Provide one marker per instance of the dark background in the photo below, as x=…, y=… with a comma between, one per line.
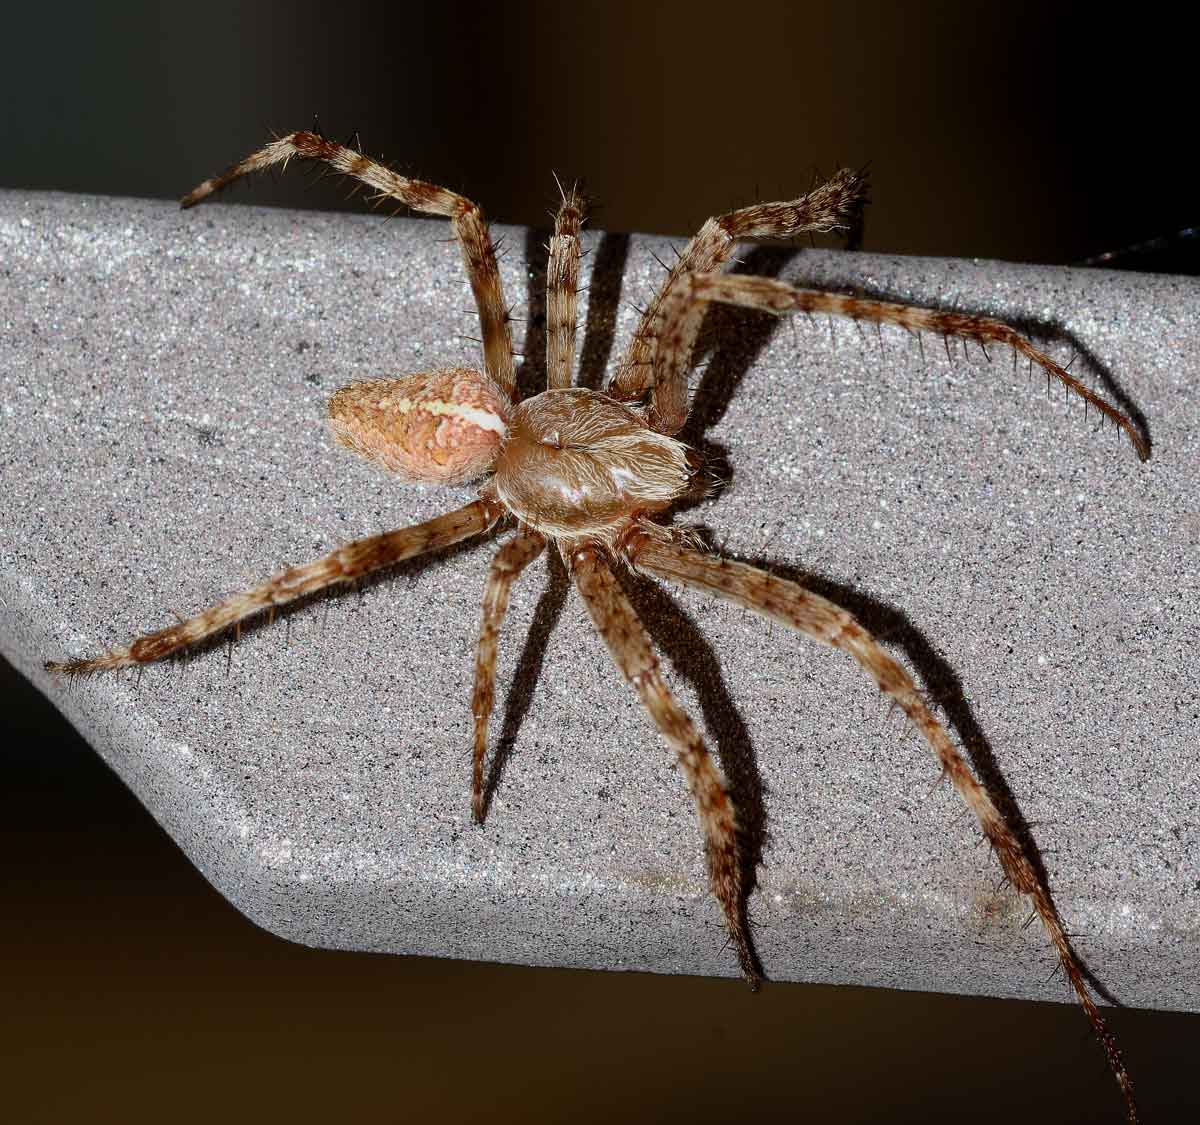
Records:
x=1045, y=133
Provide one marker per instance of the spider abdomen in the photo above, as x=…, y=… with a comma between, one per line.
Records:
x=441, y=427
x=579, y=464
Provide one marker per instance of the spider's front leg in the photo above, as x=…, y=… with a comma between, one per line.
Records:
x=819, y=619
x=835, y=205
x=683, y=309
x=344, y=565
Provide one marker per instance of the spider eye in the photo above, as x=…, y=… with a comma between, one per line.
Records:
x=441, y=427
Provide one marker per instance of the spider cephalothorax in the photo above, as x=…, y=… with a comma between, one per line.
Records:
x=578, y=465
x=589, y=471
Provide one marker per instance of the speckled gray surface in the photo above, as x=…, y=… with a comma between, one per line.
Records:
x=163, y=384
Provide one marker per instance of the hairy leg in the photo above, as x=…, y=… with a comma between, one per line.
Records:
x=835, y=205
x=479, y=256
x=506, y=568
x=562, y=283
x=819, y=619
x=618, y=623
x=343, y=565
x=682, y=311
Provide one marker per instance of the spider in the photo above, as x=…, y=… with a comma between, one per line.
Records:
x=593, y=473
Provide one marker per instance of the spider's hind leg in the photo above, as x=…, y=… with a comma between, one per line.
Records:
x=479, y=255
x=562, y=290
x=506, y=568
x=344, y=565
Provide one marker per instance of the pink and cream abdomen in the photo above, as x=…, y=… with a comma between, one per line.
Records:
x=440, y=427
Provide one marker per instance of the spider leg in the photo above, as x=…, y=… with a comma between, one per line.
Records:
x=617, y=622
x=562, y=283
x=835, y=205
x=819, y=619
x=479, y=256
x=506, y=568
x=683, y=310
x=343, y=565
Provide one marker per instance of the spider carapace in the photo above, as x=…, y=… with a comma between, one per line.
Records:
x=589, y=471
